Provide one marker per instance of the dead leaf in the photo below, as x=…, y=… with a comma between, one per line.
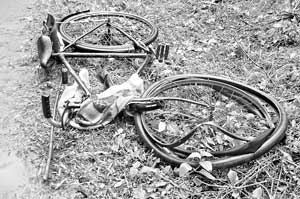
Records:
x=197, y=181
x=146, y=169
x=232, y=176
x=133, y=172
x=195, y=155
x=293, y=55
x=207, y=165
x=293, y=123
x=161, y=184
x=210, y=141
x=235, y=194
x=204, y=153
x=279, y=24
x=184, y=169
x=282, y=188
x=212, y=41
x=207, y=174
x=136, y=164
x=257, y=193
x=161, y=126
x=211, y=20
x=119, y=131
x=166, y=72
x=286, y=156
x=101, y=186
x=219, y=139
x=167, y=169
x=118, y=184
x=172, y=127
x=154, y=123
x=249, y=116
x=139, y=193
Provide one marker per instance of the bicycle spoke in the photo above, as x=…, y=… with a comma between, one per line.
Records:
x=83, y=35
x=106, y=38
x=236, y=120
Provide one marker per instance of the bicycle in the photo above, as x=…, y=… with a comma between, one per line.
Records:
x=212, y=110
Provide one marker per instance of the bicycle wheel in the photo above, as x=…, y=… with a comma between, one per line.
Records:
x=107, y=37
x=207, y=118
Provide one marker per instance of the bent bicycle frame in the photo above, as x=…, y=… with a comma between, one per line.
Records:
x=247, y=152
x=146, y=53
x=50, y=30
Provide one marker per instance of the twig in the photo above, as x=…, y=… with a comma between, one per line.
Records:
x=270, y=195
x=287, y=100
x=296, y=5
x=283, y=193
x=279, y=176
x=173, y=183
x=250, y=185
x=251, y=176
x=256, y=64
x=292, y=163
x=170, y=181
x=213, y=185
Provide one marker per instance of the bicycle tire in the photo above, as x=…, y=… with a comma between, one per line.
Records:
x=262, y=105
x=152, y=33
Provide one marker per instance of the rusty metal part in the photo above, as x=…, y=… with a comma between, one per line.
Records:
x=101, y=55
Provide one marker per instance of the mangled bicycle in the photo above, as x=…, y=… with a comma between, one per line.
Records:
x=187, y=118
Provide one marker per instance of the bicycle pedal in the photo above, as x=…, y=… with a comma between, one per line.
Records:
x=162, y=52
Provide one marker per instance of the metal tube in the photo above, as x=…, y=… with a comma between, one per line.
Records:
x=136, y=42
x=145, y=63
x=54, y=123
x=102, y=55
x=51, y=120
x=73, y=73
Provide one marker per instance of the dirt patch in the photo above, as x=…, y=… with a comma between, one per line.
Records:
x=15, y=78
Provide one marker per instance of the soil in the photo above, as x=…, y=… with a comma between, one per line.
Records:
x=15, y=79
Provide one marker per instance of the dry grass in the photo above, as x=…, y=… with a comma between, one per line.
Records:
x=248, y=41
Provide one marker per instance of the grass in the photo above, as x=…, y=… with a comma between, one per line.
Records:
x=248, y=41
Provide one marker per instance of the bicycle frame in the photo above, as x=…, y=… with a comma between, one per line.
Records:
x=244, y=95
x=51, y=28
x=45, y=101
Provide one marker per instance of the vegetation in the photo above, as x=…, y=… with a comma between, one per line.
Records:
x=254, y=42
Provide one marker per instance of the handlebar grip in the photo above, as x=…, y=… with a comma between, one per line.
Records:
x=46, y=106
x=64, y=76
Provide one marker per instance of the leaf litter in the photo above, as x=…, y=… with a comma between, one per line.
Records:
x=232, y=39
